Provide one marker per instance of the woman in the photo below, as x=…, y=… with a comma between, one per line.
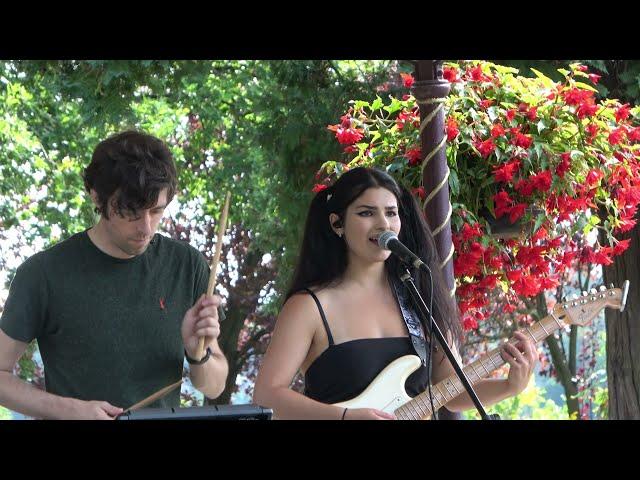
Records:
x=347, y=316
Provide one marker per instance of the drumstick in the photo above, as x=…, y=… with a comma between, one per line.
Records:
x=214, y=264
x=152, y=398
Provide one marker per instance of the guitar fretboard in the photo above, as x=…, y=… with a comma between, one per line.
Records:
x=420, y=406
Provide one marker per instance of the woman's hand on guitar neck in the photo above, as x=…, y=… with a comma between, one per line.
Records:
x=367, y=414
x=522, y=358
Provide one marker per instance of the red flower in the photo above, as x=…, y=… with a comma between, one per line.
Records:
x=318, y=187
x=486, y=103
x=527, y=286
x=469, y=323
x=634, y=134
x=517, y=211
x=414, y=155
x=468, y=232
x=514, y=275
x=350, y=149
x=348, y=136
x=345, y=121
x=522, y=140
x=594, y=78
x=564, y=166
x=511, y=114
x=451, y=129
x=555, y=243
x=525, y=187
x=497, y=130
x=509, y=308
x=540, y=234
x=486, y=148
x=502, y=203
x=594, y=176
x=542, y=181
x=592, y=130
x=407, y=79
x=587, y=109
x=602, y=256
x=548, y=283
x=505, y=172
x=617, y=135
x=407, y=116
x=466, y=263
x=576, y=96
x=532, y=114
x=582, y=68
x=450, y=74
x=476, y=74
x=419, y=191
x=621, y=246
x=622, y=113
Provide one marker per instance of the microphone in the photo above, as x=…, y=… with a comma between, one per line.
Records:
x=388, y=240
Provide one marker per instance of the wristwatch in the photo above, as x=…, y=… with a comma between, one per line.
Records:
x=191, y=361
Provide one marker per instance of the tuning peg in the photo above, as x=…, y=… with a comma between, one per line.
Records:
x=602, y=288
x=611, y=285
x=584, y=294
x=593, y=291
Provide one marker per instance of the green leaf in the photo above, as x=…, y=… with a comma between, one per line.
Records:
x=394, y=106
x=454, y=183
x=539, y=219
x=546, y=81
x=396, y=166
x=584, y=86
x=360, y=104
x=377, y=104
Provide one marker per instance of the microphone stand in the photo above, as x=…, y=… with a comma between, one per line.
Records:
x=426, y=314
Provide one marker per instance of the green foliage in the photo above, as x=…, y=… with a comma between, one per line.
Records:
x=5, y=414
x=250, y=127
x=530, y=404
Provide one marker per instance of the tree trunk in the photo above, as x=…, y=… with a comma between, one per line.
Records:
x=560, y=362
x=623, y=336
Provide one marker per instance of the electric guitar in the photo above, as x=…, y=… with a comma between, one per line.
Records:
x=386, y=392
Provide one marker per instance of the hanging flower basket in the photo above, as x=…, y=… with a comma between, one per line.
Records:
x=553, y=164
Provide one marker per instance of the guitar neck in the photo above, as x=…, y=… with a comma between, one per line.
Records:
x=420, y=406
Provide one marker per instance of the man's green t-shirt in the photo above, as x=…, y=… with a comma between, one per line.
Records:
x=107, y=328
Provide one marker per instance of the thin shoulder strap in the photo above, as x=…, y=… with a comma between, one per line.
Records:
x=324, y=319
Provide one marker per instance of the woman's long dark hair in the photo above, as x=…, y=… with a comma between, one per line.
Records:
x=323, y=256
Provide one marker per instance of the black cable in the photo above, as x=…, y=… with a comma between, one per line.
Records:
x=434, y=414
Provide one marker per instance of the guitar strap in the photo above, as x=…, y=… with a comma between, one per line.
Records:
x=411, y=319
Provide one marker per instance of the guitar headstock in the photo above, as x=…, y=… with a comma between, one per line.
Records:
x=581, y=310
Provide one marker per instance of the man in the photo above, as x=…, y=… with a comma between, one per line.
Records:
x=115, y=308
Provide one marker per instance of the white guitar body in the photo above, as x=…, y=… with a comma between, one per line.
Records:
x=386, y=392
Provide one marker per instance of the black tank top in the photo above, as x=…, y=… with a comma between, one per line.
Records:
x=345, y=370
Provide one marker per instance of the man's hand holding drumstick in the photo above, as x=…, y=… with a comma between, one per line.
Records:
x=201, y=328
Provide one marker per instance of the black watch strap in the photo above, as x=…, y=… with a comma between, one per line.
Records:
x=191, y=361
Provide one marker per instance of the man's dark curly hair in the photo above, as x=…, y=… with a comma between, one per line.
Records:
x=132, y=167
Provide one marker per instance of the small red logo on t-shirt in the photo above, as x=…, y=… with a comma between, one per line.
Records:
x=162, y=303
